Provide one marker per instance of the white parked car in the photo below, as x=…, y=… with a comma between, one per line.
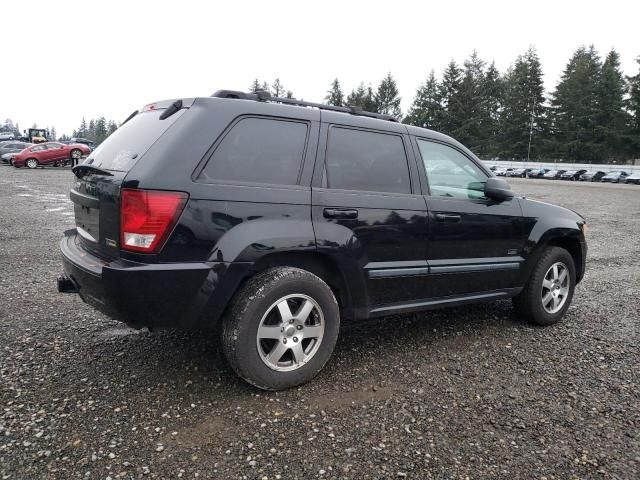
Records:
x=7, y=136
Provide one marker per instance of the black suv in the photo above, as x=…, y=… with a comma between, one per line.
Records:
x=277, y=219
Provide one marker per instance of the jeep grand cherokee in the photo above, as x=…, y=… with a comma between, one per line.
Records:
x=277, y=219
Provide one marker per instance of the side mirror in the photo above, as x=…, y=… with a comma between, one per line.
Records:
x=497, y=189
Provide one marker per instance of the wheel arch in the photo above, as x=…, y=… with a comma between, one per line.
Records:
x=320, y=265
x=569, y=239
x=572, y=245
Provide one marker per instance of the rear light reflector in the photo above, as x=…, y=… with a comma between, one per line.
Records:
x=147, y=217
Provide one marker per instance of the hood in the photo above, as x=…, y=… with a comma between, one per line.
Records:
x=536, y=208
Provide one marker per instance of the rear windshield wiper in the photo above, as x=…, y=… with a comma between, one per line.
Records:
x=84, y=169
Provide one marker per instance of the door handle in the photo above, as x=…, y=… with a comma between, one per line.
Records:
x=442, y=217
x=340, y=213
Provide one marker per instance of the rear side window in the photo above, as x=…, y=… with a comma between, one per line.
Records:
x=259, y=150
x=128, y=143
x=364, y=160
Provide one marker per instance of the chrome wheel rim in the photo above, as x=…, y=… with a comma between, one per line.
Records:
x=290, y=332
x=76, y=154
x=555, y=287
x=31, y=163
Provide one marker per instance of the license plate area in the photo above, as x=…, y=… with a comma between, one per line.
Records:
x=87, y=222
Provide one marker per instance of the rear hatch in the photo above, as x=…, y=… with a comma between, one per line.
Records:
x=96, y=190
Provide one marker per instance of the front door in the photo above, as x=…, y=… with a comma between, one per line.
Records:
x=369, y=215
x=475, y=244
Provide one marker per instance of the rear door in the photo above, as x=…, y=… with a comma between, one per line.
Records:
x=368, y=213
x=475, y=244
x=96, y=191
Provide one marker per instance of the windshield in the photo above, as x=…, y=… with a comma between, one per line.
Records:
x=128, y=143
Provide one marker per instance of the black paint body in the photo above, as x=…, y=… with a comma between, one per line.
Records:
x=397, y=255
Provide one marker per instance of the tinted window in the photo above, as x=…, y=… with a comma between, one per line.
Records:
x=259, y=150
x=124, y=147
x=450, y=173
x=37, y=149
x=363, y=160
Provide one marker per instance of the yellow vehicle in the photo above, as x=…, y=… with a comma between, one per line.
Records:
x=36, y=135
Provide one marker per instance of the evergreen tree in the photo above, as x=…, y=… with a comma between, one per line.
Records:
x=335, y=96
x=522, y=121
x=468, y=104
x=633, y=105
x=111, y=127
x=450, y=113
x=100, y=130
x=82, y=131
x=277, y=88
x=362, y=97
x=491, y=96
x=91, y=131
x=255, y=86
x=289, y=94
x=386, y=99
x=612, y=118
x=575, y=108
x=425, y=109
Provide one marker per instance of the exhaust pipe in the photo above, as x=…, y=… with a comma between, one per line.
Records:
x=66, y=284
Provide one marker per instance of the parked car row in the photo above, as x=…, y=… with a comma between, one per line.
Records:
x=21, y=154
x=618, y=176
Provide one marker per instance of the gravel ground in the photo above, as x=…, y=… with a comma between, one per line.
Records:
x=461, y=393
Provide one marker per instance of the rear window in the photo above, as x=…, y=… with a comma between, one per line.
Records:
x=259, y=150
x=128, y=143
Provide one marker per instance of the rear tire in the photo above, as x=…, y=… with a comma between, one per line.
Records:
x=32, y=163
x=280, y=328
x=548, y=292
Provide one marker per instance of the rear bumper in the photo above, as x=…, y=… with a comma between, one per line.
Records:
x=172, y=295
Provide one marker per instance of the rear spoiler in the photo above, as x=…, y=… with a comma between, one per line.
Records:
x=170, y=107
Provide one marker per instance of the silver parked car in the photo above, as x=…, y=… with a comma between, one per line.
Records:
x=10, y=148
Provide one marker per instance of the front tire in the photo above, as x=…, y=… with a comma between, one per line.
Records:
x=281, y=328
x=32, y=163
x=549, y=291
x=76, y=155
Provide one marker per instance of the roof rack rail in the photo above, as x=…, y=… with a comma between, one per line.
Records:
x=264, y=96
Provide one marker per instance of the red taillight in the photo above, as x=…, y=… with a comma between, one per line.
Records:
x=147, y=218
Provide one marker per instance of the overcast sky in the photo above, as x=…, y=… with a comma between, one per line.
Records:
x=75, y=59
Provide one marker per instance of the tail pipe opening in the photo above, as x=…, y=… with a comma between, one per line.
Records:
x=66, y=284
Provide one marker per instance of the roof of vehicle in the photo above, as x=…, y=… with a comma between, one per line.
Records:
x=335, y=114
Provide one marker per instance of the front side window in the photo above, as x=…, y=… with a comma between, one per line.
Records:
x=259, y=150
x=38, y=148
x=450, y=173
x=365, y=160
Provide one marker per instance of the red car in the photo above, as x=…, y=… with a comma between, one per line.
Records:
x=50, y=153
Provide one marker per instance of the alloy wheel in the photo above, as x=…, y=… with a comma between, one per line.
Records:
x=290, y=332
x=555, y=287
